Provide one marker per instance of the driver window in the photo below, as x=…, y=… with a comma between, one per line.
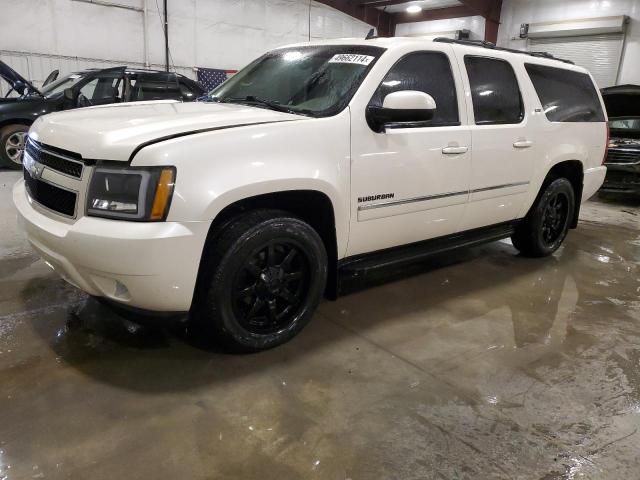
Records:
x=89, y=88
x=103, y=89
x=428, y=72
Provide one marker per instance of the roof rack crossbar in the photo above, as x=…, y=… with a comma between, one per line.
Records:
x=492, y=46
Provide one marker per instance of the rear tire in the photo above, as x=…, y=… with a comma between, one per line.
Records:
x=262, y=279
x=12, y=142
x=546, y=225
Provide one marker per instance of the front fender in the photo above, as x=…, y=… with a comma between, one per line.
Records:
x=218, y=168
x=23, y=112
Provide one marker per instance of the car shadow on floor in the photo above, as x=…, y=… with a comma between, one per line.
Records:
x=148, y=356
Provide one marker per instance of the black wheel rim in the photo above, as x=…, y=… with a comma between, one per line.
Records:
x=270, y=289
x=554, y=218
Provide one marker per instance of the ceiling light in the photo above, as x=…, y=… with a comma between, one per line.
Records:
x=414, y=9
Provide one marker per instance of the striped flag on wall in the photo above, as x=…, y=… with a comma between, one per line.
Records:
x=210, y=78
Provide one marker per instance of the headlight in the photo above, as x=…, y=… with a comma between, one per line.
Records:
x=137, y=194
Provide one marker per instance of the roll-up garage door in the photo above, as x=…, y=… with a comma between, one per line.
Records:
x=600, y=54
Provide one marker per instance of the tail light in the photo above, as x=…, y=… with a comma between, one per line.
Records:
x=606, y=148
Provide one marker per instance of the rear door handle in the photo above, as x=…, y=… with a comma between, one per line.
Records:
x=523, y=144
x=455, y=150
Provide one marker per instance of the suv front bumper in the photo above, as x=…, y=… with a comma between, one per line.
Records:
x=148, y=265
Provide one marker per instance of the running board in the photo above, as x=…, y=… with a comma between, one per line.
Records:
x=356, y=269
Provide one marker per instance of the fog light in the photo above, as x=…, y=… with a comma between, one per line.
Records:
x=122, y=292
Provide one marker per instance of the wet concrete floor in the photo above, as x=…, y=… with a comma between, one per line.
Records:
x=480, y=365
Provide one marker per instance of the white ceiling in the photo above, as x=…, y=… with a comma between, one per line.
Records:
x=425, y=4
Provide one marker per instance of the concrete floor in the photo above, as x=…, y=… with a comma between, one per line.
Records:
x=482, y=365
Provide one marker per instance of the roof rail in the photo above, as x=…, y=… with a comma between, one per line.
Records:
x=492, y=46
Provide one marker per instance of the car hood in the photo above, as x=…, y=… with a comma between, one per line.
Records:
x=12, y=77
x=622, y=101
x=116, y=132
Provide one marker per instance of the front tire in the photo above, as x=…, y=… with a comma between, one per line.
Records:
x=12, y=143
x=546, y=225
x=265, y=274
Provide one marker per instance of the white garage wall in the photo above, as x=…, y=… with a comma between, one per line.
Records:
x=230, y=33
x=39, y=35
x=516, y=12
x=474, y=24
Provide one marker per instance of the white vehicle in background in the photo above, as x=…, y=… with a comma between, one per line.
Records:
x=315, y=164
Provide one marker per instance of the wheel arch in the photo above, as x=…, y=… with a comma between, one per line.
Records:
x=572, y=170
x=16, y=121
x=313, y=206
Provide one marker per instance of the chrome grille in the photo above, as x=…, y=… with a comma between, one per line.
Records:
x=617, y=180
x=50, y=196
x=67, y=163
x=623, y=156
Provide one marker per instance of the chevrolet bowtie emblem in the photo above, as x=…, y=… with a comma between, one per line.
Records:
x=36, y=169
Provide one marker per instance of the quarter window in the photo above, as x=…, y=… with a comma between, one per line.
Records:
x=428, y=72
x=566, y=96
x=494, y=91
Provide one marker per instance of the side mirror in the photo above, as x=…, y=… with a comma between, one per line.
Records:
x=401, y=109
x=68, y=94
x=19, y=86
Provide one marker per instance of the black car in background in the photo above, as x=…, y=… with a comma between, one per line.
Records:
x=23, y=103
x=623, y=161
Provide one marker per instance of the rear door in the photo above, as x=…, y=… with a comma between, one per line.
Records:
x=505, y=146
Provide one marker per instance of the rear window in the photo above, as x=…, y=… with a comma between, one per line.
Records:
x=494, y=91
x=566, y=96
x=625, y=124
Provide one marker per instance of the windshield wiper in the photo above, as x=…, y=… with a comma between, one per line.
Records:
x=253, y=100
x=207, y=98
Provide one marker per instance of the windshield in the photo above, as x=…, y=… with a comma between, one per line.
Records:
x=59, y=86
x=625, y=123
x=316, y=81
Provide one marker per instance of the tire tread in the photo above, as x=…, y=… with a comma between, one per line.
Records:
x=525, y=238
x=207, y=311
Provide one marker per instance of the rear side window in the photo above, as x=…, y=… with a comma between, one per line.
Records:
x=154, y=86
x=566, y=96
x=428, y=72
x=494, y=91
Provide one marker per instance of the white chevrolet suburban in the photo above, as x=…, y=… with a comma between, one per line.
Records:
x=316, y=163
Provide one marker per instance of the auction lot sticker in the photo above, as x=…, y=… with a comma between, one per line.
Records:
x=351, y=58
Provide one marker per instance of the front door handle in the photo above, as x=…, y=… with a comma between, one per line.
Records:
x=455, y=150
x=523, y=144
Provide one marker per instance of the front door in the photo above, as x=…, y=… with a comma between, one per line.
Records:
x=410, y=182
x=102, y=88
